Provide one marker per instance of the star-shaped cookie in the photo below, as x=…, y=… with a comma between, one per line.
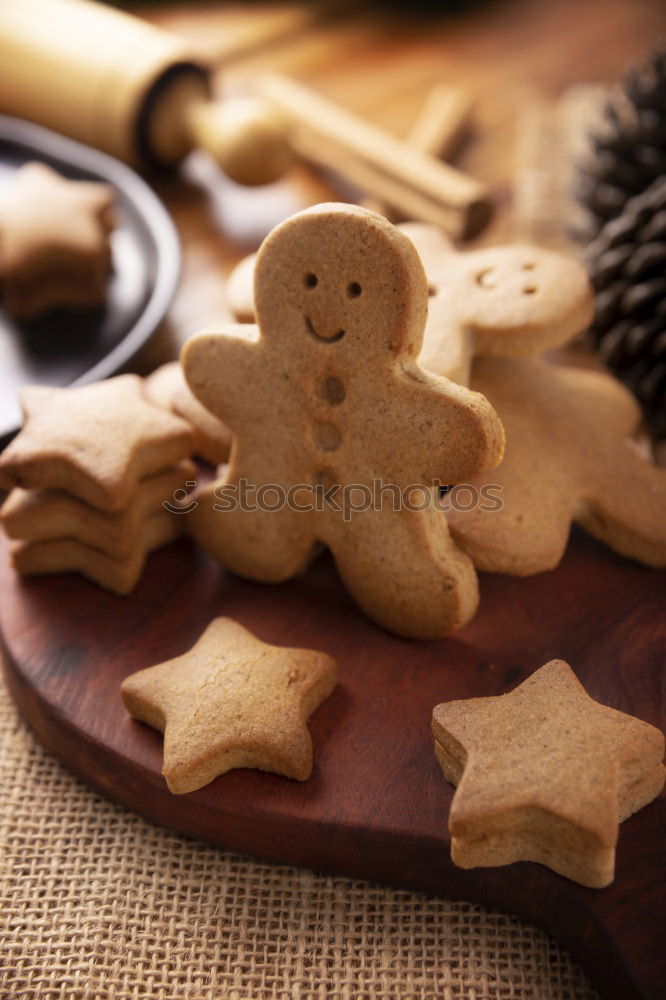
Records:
x=95, y=441
x=46, y=515
x=232, y=701
x=546, y=774
x=54, y=241
x=118, y=573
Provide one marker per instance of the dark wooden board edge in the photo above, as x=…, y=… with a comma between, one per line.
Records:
x=620, y=966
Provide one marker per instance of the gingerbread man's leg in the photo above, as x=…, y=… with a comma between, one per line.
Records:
x=404, y=570
x=253, y=532
x=628, y=508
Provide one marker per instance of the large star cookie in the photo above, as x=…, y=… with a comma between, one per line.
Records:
x=96, y=442
x=54, y=241
x=232, y=701
x=545, y=774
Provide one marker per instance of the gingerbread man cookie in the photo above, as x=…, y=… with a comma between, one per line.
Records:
x=512, y=301
x=569, y=457
x=545, y=774
x=326, y=400
x=54, y=242
x=509, y=301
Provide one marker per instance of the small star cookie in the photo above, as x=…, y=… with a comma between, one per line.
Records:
x=232, y=701
x=95, y=441
x=54, y=241
x=545, y=774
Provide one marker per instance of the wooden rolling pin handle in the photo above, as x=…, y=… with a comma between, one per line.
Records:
x=245, y=135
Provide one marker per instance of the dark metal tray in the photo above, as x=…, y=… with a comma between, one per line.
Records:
x=71, y=347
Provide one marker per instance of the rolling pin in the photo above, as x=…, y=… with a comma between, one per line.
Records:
x=129, y=88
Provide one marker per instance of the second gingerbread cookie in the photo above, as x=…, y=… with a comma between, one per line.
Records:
x=340, y=436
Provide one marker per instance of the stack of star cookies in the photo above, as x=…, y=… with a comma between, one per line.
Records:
x=546, y=774
x=88, y=478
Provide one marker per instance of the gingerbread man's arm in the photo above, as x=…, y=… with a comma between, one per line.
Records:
x=221, y=366
x=447, y=432
x=628, y=509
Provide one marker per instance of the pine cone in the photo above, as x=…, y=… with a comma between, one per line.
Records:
x=628, y=149
x=627, y=264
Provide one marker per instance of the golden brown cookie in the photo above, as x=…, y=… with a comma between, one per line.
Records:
x=119, y=574
x=166, y=387
x=95, y=442
x=512, y=301
x=545, y=774
x=232, y=701
x=54, y=241
x=328, y=405
x=569, y=457
x=240, y=290
x=162, y=383
x=40, y=515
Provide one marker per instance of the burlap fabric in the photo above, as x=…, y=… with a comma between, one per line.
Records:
x=97, y=904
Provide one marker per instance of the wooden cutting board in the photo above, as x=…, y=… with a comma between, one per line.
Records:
x=377, y=804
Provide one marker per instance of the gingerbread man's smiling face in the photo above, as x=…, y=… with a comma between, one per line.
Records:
x=521, y=299
x=337, y=278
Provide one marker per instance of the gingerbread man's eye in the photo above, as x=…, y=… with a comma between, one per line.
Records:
x=311, y=280
x=353, y=290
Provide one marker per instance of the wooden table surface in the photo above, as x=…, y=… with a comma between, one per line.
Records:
x=381, y=63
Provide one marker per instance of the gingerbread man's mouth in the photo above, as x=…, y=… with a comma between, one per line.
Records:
x=338, y=335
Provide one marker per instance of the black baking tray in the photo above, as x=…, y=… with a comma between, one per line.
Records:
x=69, y=346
